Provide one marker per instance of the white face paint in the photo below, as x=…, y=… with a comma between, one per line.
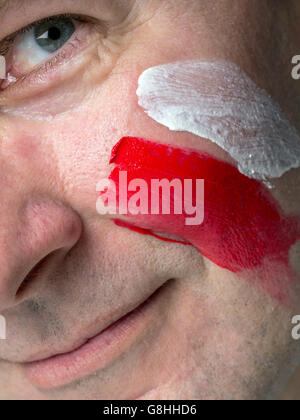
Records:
x=219, y=102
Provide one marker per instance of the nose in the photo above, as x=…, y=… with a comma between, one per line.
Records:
x=42, y=227
x=36, y=223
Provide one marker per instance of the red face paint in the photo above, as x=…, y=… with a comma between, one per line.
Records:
x=244, y=228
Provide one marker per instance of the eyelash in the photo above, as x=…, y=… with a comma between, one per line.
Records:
x=7, y=43
x=59, y=56
x=93, y=37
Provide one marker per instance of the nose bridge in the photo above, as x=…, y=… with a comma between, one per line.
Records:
x=12, y=196
x=20, y=158
x=33, y=223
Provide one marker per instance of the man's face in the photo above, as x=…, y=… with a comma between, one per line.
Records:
x=68, y=273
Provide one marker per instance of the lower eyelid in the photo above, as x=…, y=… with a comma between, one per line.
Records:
x=18, y=60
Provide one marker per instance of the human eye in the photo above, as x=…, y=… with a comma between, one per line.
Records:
x=42, y=45
x=58, y=55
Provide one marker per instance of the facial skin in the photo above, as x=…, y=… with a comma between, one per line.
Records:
x=211, y=334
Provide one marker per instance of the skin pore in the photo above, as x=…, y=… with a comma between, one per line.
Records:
x=58, y=125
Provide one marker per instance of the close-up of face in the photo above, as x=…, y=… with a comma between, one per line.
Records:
x=193, y=304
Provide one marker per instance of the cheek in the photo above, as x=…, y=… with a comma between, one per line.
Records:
x=82, y=144
x=244, y=229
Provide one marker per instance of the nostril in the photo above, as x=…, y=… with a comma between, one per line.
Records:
x=37, y=271
x=42, y=233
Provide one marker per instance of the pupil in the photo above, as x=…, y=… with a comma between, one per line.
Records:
x=54, y=33
x=51, y=36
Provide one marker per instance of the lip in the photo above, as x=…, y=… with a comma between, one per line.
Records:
x=97, y=352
